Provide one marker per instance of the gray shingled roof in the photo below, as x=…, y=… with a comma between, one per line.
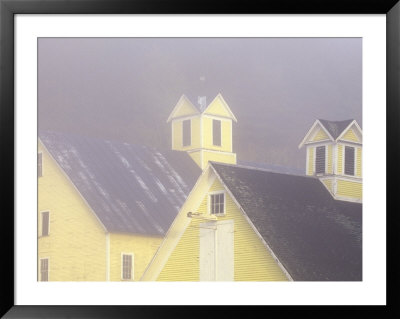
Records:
x=132, y=189
x=335, y=128
x=315, y=237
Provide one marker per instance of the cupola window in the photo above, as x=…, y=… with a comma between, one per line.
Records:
x=320, y=160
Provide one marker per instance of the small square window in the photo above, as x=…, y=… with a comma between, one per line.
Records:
x=127, y=265
x=217, y=204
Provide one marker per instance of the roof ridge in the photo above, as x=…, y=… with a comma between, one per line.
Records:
x=260, y=169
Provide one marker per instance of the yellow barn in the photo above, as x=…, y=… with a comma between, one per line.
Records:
x=104, y=207
x=241, y=223
x=334, y=155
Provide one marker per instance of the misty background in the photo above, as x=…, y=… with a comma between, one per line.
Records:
x=125, y=88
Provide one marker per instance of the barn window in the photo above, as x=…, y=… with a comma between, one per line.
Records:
x=217, y=132
x=127, y=266
x=349, y=160
x=44, y=269
x=217, y=202
x=186, y=133
x=320, y=160
x=45, y=223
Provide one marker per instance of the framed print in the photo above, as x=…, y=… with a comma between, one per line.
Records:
x=150, y=145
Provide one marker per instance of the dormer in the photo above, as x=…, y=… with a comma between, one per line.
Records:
x=203, y=131
x=334, y=154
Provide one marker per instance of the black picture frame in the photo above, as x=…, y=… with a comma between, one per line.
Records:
x=8, y=8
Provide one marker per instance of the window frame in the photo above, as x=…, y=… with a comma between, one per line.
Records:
x=132, y=266
x=220, y=132
x=41, y=164
x=48, y=223
x=40, y=268
x=210, y=194
x=354, y=160
x=315, y=160
x=190, y=133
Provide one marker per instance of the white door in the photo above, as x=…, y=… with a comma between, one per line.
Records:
x=217, y=251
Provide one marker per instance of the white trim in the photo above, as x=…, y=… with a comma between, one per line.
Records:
x=40, y=269
x=41, y=164
x=179, y=104
x=184, y=117
x=231, y=125
x=208, y=150
x=41, y=224
x=217, y=117
x=219, y=96
x=333, y=158
x=172, y=136
x=307, y=159
x=253, y=227
x=108, y=257
x=336, y=172
x=73, y=185
x=132, y=266
x=348, y=127
x=349, y=178
x=314, y=157
x=317, y=122
x=174, y=235
x=201, y=132
x=319, y=143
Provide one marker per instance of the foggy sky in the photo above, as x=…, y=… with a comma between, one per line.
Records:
x=125, y=88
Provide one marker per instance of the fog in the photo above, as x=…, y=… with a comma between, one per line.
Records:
x=125, y=88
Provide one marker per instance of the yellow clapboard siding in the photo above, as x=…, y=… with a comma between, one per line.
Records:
x=185, y=109
x=195, y=132
x=349, y=189
x=339, y=159
x=143, y=249
x=177, y=134
x=218, y=108
x=328, y=184
x=310, y=160
x=252, y=261
x=350, y=136
x=320, y=136
x=358, y=162
x=76, y=245
x=226, y=135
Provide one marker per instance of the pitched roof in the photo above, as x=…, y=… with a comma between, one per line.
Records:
x=335, y=128
x=315, y=237
x=131, y=188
